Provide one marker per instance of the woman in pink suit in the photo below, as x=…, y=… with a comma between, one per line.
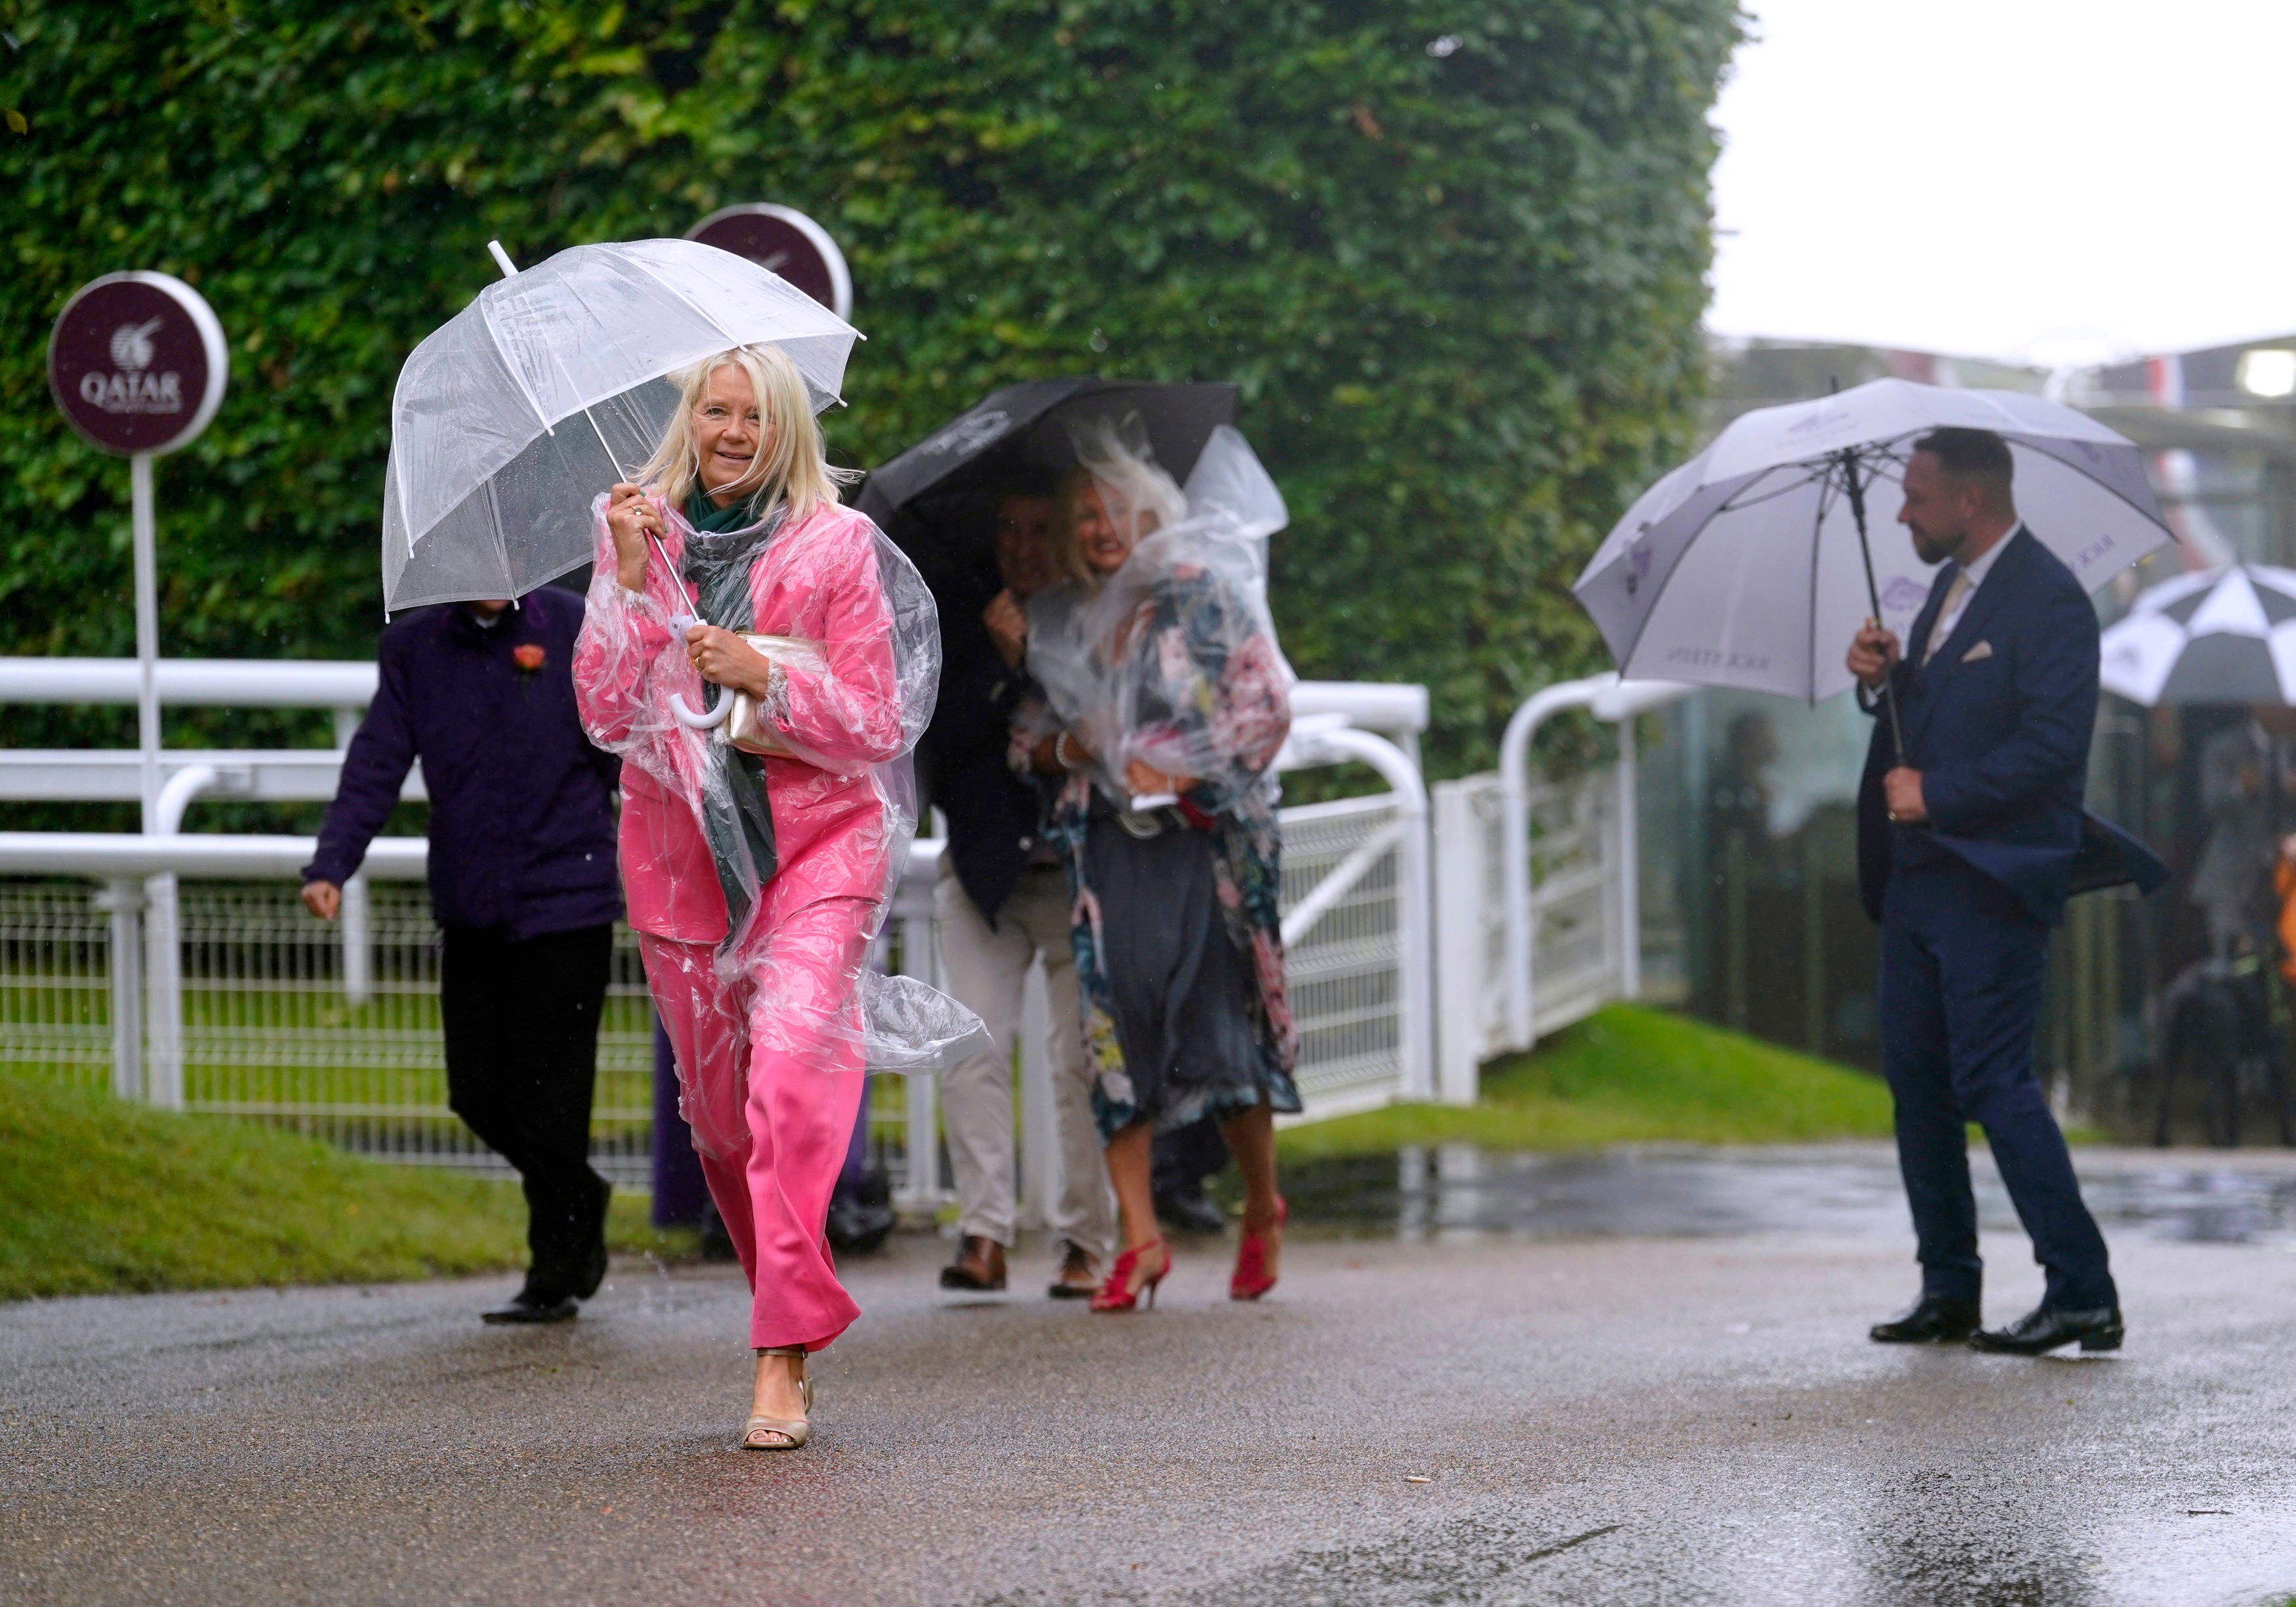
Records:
x=757, y=879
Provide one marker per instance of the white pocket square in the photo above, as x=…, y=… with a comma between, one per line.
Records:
x=1982, y=650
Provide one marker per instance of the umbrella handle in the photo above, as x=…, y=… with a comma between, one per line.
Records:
x=686, y=716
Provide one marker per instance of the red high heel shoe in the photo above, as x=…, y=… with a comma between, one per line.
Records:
x=1118, y=1294
x=1253, y=1279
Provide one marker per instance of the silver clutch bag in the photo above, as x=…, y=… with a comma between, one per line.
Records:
x=747, y=727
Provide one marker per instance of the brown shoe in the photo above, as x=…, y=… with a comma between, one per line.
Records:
x=1079, y=1274
x=979, y=1265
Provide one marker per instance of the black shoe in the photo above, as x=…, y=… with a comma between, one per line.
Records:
x=1934, y=1319
x=525, y=1307
x=1190, y=1211
x=594, y=1254
x=861, y=1216
x=717, y=1243
x=2048, y=1328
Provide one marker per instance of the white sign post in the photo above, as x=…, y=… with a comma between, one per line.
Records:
x=137, y=364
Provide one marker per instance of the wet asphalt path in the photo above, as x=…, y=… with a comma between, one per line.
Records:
x=1596, y=1420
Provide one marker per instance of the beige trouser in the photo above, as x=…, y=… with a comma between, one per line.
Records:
x=986, y=968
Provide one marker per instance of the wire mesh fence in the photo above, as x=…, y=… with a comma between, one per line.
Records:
x=1345, y=971
x=1574, y=878
x=274, y=1030
x=55, y=981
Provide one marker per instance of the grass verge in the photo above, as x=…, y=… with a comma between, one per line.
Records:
x=101, y=1197
x=1627, y=1075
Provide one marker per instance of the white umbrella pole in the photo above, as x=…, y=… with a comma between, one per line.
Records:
x=1848, y=461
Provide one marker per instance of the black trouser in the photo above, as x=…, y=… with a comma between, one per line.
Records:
x=521, y=1021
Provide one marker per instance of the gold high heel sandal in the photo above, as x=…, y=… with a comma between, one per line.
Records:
x=795, y=1431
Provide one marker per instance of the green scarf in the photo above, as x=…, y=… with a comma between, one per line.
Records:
x=710, y=519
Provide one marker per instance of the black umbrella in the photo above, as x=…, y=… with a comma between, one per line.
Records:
x=938, y=500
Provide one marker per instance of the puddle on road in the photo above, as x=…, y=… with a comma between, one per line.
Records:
x=1457, y=1189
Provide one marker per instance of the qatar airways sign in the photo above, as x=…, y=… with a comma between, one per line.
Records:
x=783, y=240
x=137, y=362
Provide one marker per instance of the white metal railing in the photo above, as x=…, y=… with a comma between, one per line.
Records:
x=165, y=782
x=1583, y=937
x=230, y=683
x=1395, y=710
x=256, y=1016
x=1611, y=699
x=229, y=998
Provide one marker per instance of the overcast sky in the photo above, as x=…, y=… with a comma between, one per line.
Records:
x=2046, y=180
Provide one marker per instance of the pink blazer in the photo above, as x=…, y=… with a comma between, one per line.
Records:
x=833, y=833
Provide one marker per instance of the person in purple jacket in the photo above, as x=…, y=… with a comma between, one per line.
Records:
x=524, y=885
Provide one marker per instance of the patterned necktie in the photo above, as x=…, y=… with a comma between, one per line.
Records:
x=1956, y=589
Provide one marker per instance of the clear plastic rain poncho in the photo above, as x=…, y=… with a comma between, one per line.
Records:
x=1172, y=661
x=805, y=844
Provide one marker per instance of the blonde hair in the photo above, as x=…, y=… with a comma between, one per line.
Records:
x=1134, y=488
x=790, y=465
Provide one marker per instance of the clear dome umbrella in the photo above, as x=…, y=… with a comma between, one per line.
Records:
x=512, y=416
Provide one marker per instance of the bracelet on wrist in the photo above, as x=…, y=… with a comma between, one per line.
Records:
x=1060, y=751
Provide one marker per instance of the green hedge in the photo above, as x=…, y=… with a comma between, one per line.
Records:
x=1453, y=255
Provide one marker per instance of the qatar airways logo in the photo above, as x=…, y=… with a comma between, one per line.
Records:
x=131, y=386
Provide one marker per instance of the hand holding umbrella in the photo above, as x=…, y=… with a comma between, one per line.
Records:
x=630, y=514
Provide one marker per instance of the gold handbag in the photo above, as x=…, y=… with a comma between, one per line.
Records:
x=747, y=727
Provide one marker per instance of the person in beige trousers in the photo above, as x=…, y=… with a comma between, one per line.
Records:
x=1002, y=903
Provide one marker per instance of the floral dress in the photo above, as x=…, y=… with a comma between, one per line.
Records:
x=1200, y=677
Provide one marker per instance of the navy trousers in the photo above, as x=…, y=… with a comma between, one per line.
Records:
x=1962, y=965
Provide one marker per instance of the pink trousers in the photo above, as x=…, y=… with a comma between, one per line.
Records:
x=772, y=1083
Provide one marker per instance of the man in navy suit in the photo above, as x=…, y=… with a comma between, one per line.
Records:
x=1966, y=846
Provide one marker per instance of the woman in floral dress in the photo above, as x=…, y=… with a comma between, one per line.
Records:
x=1165, y=706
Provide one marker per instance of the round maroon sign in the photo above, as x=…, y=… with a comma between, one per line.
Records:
x=137, y=363
x=784, y=241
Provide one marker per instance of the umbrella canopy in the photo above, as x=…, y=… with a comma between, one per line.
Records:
x=2219, y=636
x=1747, y=566
x=514, y=415
x=934, y=499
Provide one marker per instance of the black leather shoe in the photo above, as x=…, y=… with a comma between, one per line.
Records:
x=717, y=1243
x=861, y=1216
x=1190, y=1211
x=593, y=1253
x=527, y=1307
x=1934, y=1319
x=2047, y=1327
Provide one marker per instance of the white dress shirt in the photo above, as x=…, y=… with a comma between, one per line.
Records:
x=1976, y=571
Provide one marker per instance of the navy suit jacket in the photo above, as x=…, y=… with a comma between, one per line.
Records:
x=521, y=805
x=1998, y=723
